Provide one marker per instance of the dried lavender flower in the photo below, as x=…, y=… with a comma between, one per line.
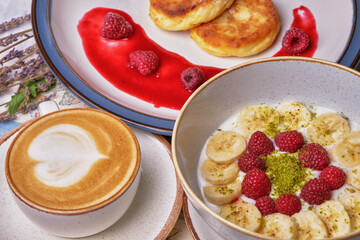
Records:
x=13, y=53
x=29, y=107
x=42, y=87
x=31, y=74
x=14, y=22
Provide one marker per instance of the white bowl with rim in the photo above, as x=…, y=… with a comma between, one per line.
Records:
x=268, y=80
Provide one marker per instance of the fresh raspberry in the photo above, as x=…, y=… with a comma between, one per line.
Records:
x=192, y=78
x=295, y=41
x=315, y=191
x=266, y=205
x=260, y=144
x=333, y=176
x=314, y=156
x=256, y=184
x=289, y=141
x=146, y=62
x=116, y=27
x=250, y=161
x=288, y=204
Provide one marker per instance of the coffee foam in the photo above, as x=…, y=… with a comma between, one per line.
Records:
x=73, y=159
x=66, y=154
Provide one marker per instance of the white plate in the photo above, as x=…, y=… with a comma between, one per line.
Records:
x=61, y=46
x=198, y=228
x=152, y=214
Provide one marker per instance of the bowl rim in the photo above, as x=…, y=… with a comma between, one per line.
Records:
x=190, y=193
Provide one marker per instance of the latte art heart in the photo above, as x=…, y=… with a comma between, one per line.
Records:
x=65, y=153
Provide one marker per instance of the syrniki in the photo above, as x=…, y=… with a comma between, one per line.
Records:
x=248, y=27
x=175, y=15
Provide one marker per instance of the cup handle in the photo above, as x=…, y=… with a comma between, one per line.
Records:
x=47, y=107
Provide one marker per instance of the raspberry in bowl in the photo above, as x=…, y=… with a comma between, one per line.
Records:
x=284, y=170
x=291, y=118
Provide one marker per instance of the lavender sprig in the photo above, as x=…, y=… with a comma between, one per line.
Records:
x=32, y=75
x=6, y=41
x=5, y=116
x=14, y=22
x=17, y=43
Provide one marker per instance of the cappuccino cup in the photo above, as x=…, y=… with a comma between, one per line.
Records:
x=74, y=172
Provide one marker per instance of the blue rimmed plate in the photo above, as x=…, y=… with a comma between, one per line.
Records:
x=55, y=27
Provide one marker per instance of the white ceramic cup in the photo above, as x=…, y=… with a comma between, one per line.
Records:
x=77, y=222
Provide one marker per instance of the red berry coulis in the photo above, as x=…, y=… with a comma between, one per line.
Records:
x=111, y=59
x=305, y=20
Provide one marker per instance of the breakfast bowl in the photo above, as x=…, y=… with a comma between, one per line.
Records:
x=318, y=85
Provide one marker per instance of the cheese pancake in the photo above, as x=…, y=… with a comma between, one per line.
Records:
x=246, y=28
x=177, y=15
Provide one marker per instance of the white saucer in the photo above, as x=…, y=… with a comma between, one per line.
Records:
x=152, y=214
x=198, y=228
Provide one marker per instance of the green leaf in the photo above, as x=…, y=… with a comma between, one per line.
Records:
x=15, y=102
x=18, y=98
x=32, y=88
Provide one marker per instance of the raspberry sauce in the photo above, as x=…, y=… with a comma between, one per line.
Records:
x=110, y=58
x=305, y=20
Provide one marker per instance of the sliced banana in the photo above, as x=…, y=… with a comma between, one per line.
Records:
x=353, y=177
x=258, y=118
x=309, y=226
x=335, y=217
x=225, y=147
x=222, y=194
x=351, y=202
x=243, y=214
x=217, y=174
x=279, y=226
x=327, y=128
x=294, y=115
x=346, y=151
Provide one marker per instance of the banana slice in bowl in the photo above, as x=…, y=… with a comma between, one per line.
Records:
x=222, y=194
x=217, y=174
x=225, y=147
x=257, y=118
x=346, y=151
x=353, y=177
x=335, y=217
x=294, y=115
x=351, y=202
x=279, y=226
x=309, y=225
x=243, y=214
x=327, y=128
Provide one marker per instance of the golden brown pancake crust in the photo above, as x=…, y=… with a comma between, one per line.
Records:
x=246, y=28
x=177, y=8
x=185, y=14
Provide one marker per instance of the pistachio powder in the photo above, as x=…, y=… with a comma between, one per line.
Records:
x=286, y=173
